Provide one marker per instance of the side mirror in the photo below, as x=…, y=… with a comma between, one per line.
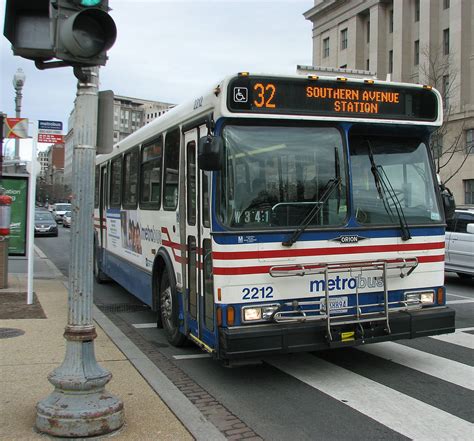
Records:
x=449, y=204
x=210, y=153
x=470, y=228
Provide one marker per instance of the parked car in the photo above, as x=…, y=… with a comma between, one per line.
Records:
x=460, y=242
x=67, y=219
x=59, y=209
x=45, y=224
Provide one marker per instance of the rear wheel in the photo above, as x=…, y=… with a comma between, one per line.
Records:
x=169, y=311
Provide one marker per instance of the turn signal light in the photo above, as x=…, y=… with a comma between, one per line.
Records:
x=219, y=316
x=230, y=316
x=440, y=296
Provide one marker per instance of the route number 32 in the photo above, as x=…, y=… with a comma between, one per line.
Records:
x=265, y=95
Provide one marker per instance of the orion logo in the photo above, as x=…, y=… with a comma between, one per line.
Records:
x=354, y=238
x=341, y=283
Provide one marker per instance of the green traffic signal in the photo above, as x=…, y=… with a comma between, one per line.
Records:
x=90, y=2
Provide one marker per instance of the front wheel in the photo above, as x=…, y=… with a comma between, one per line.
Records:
x=169, y=311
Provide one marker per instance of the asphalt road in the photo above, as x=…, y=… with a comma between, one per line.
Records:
x=417, y=389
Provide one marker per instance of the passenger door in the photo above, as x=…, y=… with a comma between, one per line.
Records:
x=200, y=293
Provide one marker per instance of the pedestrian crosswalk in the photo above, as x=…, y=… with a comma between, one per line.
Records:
x=400, y=412
x=413, y=392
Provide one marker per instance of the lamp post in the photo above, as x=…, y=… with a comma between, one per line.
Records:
x=18, y=83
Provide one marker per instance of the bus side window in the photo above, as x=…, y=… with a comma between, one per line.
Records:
x=115, y=182
x=130, y=179
x=170, y=194
x=150, y=175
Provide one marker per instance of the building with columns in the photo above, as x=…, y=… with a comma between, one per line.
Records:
x=422, y=41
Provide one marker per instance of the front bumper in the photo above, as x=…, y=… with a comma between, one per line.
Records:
x=280, y=338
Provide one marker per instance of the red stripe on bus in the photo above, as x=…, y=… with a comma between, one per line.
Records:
x=219, y=255
x=265, y=269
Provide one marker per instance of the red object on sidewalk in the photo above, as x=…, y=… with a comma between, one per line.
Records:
x=5, y=214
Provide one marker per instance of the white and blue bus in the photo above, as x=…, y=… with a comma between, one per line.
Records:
x=280, y=214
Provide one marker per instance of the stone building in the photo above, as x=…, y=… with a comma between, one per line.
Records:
x=422, y=41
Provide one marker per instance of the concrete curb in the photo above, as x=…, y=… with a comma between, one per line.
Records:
x=185, y=411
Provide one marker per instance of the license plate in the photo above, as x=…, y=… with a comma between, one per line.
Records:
x=336, y=304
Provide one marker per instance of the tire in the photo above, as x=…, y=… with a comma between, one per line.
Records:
x=99, y=275
x=169, y=311
x=464, y=276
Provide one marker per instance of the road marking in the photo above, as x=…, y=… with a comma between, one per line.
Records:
x=458, y=338
x=458, y=302
x=144, y=325
x=457, y=295
x=399, y=412
x=439, y=367
x=190, y=356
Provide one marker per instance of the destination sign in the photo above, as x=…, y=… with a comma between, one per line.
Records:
x=331, y=98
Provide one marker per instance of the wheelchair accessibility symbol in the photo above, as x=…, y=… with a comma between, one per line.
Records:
x=240, y=94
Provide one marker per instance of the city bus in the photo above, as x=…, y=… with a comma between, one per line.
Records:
x=277, y=214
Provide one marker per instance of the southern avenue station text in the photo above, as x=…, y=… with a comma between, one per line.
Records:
x=353, y=100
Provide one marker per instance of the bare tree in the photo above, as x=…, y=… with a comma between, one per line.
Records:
x=438, y=71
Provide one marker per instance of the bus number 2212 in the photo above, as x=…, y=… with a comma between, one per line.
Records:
x=255, y=293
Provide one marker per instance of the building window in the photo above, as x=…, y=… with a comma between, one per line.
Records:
x=437, y=145
x=326, y=47
x=446, y=41
x=446, y=4
x=390, y=21
x=368, y=31
x=417, y=10
x=470, y=141
x=390, y=61
x=344, y=39
x=417, y=52
x=469, y=191
x=445, y=90
x=367, y=64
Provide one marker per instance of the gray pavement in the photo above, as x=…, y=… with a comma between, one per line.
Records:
x=32, y=345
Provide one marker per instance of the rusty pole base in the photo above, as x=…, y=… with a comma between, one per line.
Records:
x=79, y=406
x=77, y=415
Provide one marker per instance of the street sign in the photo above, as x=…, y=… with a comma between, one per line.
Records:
x=50, y=132
x=16, y=128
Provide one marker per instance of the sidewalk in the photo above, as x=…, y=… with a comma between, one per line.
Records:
x=27, y=359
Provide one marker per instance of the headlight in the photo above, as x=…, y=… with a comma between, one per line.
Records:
x=258, y=313
x=423, y=297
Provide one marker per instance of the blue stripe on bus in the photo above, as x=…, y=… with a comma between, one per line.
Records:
x=132, y=278
x=254, y=237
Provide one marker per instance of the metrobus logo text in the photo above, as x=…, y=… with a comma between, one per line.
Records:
x=340, y=283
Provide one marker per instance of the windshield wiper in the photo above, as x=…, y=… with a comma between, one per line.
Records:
x=384, y=186
x=331, y=185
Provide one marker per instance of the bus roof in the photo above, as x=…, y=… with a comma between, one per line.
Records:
x=298, y=97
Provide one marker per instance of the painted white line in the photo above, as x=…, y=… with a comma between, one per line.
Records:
x=190, y=356
x=458, y=338
x=465, y=329
x=457, y=295
x=439, y=367
x=144, y=325
x=399, y=412
x=459, y=302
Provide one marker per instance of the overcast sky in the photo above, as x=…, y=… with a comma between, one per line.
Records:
x=170, y=50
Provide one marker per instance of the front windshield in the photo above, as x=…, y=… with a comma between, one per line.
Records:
x=274, y=176
x=43, y=217
x=405, y=164
x=63, y=207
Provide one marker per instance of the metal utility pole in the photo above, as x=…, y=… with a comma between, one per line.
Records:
x=80, y=406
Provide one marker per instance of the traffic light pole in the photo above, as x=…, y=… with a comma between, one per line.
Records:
x=80, y=406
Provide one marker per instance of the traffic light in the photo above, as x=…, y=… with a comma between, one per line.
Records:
x=29, y=29
x=77, y=32
x=84, y=31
